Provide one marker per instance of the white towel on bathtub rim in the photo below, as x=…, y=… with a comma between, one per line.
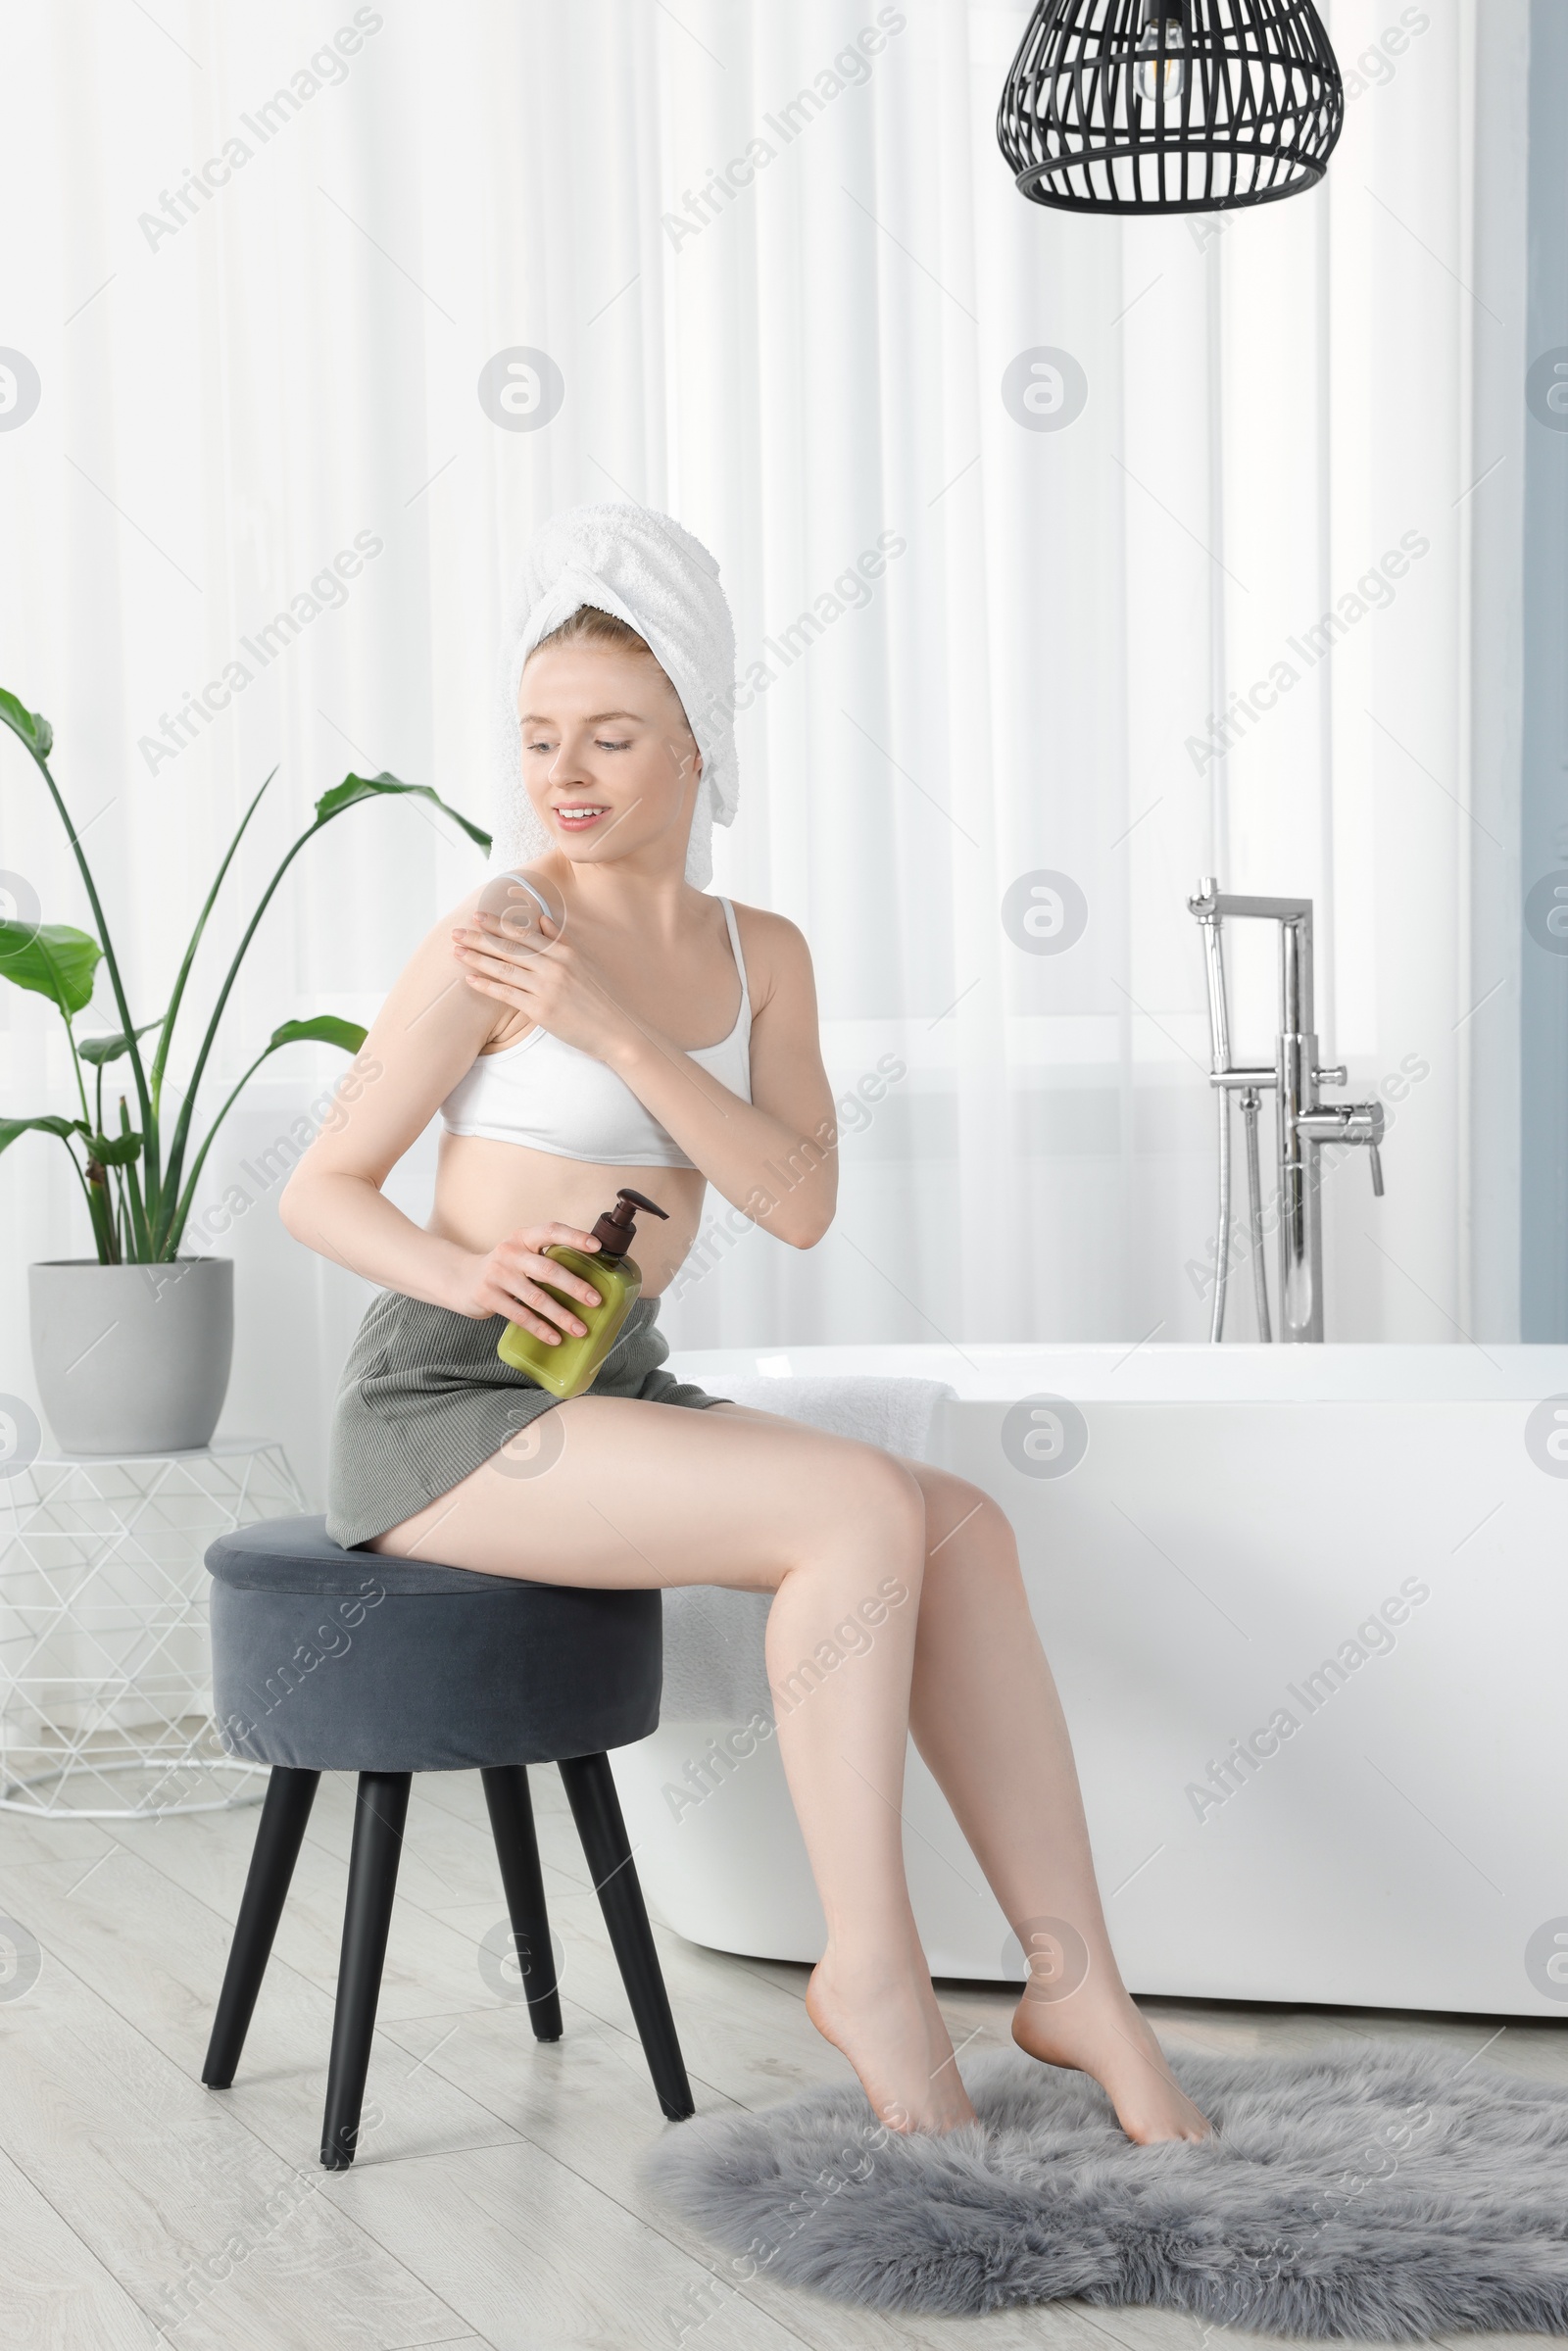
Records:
x=713, y=1663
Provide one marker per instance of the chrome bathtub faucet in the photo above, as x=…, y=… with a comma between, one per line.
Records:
x=1303, y=1122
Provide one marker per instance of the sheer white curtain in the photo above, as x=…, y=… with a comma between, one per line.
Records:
x=1012, y=508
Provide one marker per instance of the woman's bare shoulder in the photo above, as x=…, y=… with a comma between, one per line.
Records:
x=431, y=983
x=771, y=934
x=778, y=961
x=433, y=953
x=538, y=877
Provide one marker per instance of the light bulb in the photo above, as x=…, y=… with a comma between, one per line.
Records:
x=1150, y=77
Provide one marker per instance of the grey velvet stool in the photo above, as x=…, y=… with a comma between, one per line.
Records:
x=328, y=1661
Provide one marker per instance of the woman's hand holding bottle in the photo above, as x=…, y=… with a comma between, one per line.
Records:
x=508, y=1281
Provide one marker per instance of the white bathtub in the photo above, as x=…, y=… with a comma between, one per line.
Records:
x=1237, y=1514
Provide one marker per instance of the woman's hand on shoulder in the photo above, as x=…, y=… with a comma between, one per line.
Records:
x=543, y=974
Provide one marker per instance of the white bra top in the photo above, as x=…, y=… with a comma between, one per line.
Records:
x=555, y=1098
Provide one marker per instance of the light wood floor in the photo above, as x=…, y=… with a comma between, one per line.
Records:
x=495, y=2203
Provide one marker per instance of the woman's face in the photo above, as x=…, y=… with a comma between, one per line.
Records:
x=608, y=761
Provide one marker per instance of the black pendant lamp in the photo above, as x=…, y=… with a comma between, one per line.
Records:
x=1170, y=106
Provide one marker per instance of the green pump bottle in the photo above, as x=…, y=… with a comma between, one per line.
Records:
x=571, y=1365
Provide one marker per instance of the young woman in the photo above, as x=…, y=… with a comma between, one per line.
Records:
x=652, y=1034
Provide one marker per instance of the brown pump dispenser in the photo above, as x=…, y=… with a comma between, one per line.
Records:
x=615, y=1228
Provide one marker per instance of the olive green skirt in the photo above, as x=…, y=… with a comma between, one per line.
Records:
x=425, y=1399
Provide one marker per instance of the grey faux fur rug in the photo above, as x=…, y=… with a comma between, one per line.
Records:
x=1388, y=2192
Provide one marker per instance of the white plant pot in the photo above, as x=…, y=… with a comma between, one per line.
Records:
x=132, y=1358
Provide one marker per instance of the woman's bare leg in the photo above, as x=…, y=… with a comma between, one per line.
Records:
x=987, y=1719
x=643, y=1494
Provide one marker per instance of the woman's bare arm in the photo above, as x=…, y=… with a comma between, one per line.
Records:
x=774, y=1157
x=426, y=1036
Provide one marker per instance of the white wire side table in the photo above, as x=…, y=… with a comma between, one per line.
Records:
x=105, y=1673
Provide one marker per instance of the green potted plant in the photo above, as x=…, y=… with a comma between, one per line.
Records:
x=131, y=1347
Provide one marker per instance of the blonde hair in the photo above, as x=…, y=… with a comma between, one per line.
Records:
x=588, y=625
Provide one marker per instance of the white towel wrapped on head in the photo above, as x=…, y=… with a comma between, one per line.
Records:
x=714, y=1662
x=648, y=571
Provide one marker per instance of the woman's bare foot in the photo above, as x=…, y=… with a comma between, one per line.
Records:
x=1099, y=2032
x=889, y=2027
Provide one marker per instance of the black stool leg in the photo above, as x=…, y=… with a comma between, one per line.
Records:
x=506, y=1791
x=595, y=1809
x=278, y=1837
x=380, y=1809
